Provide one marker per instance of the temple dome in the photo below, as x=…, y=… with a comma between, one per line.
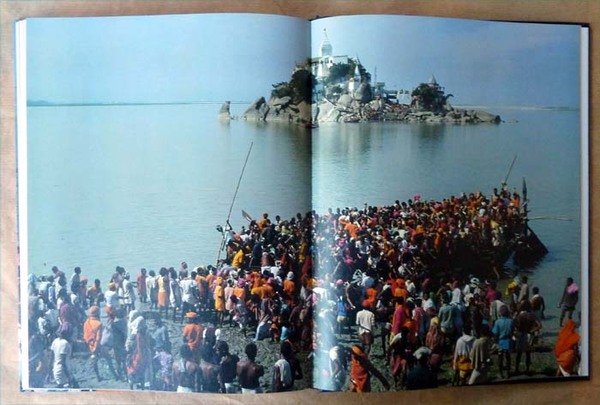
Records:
x=326, y=48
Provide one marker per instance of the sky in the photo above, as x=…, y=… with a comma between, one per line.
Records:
x=210, y=57
x=479, y=62
x=217, y=57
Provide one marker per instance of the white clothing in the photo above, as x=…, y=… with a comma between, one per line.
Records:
x=456, y=296
x=128, y=292
x=187, y=290
x=365, y=320
x=151, y=283
x=59, y=347
x=112, y=299
x=464, y=344
x=285, y=372
x=428, y=303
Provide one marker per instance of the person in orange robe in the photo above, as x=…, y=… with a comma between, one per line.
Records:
x=238, y=259
x=400, y=290
x=352, y=229
x=268, y=290
x=258, y=290
x=219, y=296
x=360, y=372
x=370, y=299
x=289, y=287
x=192, y=333
x=163, y=291
x=565, y=350
x=92, y=336
x=239, y=290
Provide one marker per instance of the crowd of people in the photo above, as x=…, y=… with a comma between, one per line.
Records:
x=396, y=273
x=260, y=294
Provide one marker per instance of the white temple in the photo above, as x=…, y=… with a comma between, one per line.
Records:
x=320, y=65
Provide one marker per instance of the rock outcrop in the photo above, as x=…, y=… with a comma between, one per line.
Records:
x=364, y=93
x=257, y=111
x=278, y=109
x=225, y=111
x=340, y=101
x=380, y=110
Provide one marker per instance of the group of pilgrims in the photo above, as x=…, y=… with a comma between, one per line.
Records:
x=319, y=289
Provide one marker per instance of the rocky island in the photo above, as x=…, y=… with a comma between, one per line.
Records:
x=338, y=88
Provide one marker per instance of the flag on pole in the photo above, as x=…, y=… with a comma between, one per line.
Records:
x=246, y=216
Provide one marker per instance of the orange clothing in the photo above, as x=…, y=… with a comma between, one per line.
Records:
x=392, y=256
x=437, y=242
x=238, y=259
x=360, y=377
x=370, y=299
x=565, y=349
x=258, y=291
x=219, y=298
x=352, y=229
x=202, y=287
x=268, y=291
x=209, y=279
x=567, y=360
x=163, y=291
x=240, y=292
x=192, y=333
x=256, y=279
x=401, y=292
x=289, y=287
x=411, y=325
x=92, y=333
x=262, y=223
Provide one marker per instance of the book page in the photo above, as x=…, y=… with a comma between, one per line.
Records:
x=157, y=206
x=449, y=174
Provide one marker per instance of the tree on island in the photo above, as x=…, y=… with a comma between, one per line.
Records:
x=429, y=97
x=299, y=88
x=339, y=72
x=342, y=72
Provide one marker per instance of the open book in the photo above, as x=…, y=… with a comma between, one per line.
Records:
x=258, y=203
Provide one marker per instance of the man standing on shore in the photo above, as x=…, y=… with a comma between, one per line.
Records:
x=568, y=301
x=61, y=351
x=527, y=326
x=92, y=335
x=192, y=334
x=141, y=286
x=152, y=289
x=227, y=367
x=503, y=330
x=365, y=320
x=249, y=372
x=189, y=292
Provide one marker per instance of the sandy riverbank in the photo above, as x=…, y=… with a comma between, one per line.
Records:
x=268, y=353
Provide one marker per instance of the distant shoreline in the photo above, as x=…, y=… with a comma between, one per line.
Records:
x=35, y=103
x=116, y=104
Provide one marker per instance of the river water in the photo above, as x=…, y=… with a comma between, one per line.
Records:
x=145, y=185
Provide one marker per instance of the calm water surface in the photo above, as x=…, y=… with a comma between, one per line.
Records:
x=144, y=186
